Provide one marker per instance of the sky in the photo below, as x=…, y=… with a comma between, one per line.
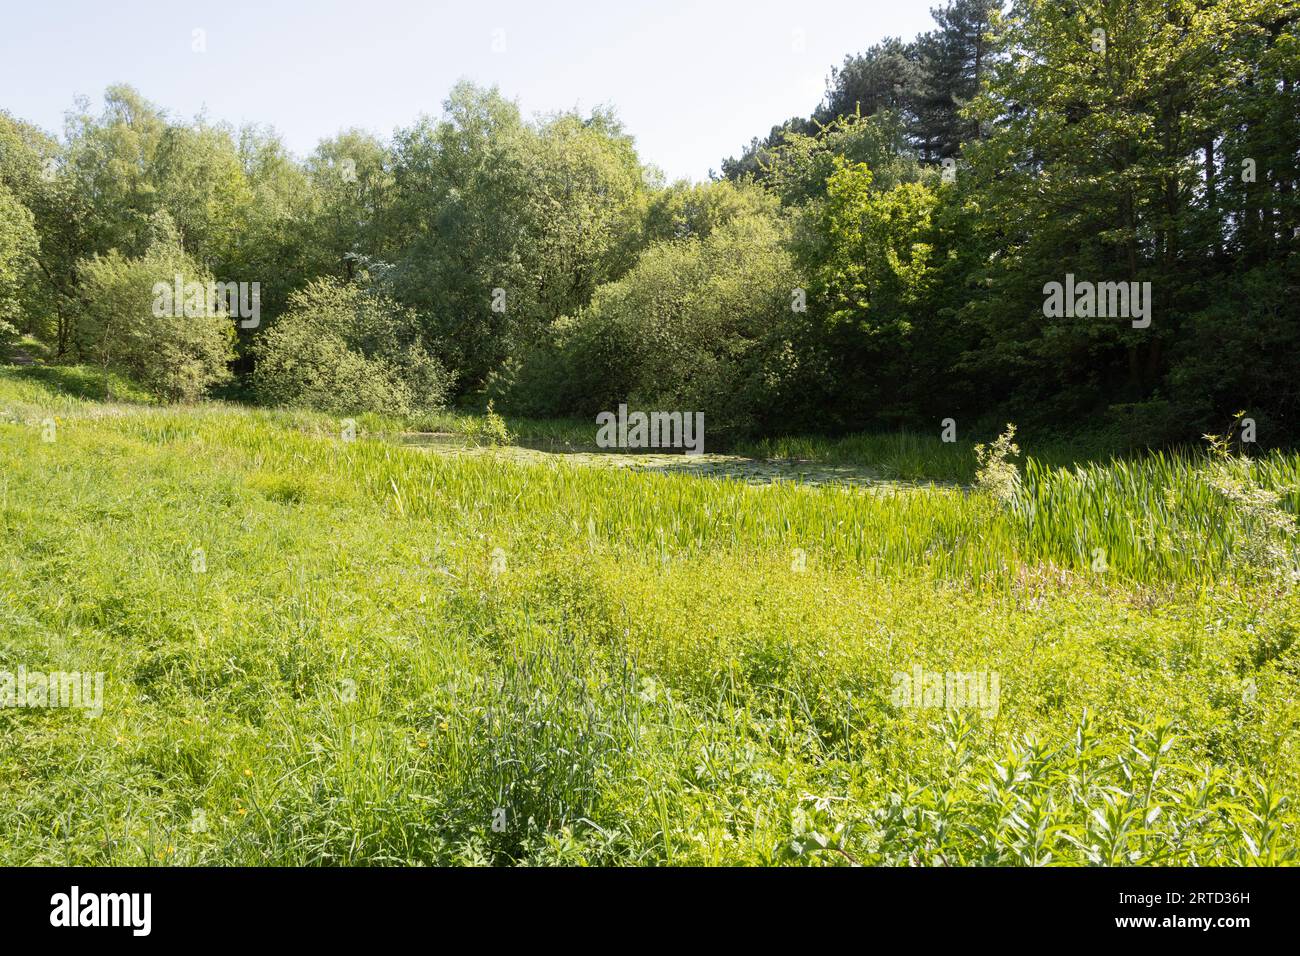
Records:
x=692, y=82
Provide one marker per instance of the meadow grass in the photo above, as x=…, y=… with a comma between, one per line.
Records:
x=328, y=652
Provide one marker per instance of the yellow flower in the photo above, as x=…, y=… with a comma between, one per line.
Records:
x=241, y=811
x=247, y=772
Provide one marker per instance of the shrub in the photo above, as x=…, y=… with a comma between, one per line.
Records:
x=1265, y=531
x=7, y=336
x=699, y=324
x=174, y=357
x=340, y=348
x=997, y=476
x=491, y=429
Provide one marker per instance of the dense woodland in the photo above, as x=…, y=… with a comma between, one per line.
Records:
x=878, y=263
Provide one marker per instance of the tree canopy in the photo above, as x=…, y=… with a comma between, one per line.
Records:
x=880, y=261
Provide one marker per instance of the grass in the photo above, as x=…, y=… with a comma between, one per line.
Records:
x=388, y=656
x=904, y=456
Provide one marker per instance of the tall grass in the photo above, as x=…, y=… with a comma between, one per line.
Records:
x=398, y=656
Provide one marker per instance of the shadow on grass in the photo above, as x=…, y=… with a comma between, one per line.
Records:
x=79, y=381
x=768, y=471
x=716, y=466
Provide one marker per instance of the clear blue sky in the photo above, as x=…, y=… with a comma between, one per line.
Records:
x=691, y=81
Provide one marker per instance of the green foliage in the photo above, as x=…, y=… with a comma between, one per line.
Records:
x=352, y=218
x=1093, y=164
x=18, y=248
x=875, y=262
x=465, y=655
x=700, y=324
x=522, y=247
x=1266, y=531
x=1083, y=800
x=491, y=429
x=485, y=201
x=177, y=357
x=341, y=348
x=997, y=476
x=1219, y=360
x=800, y=168
x=1123, y=160
x=355, y=679
x=685, y=209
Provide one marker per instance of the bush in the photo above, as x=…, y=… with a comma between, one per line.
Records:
x=1266, y=531
x=340, y=348
x=996, y=475
x=1142, y=425
x=174, y=357
x=491, y=429
x=1219, y=361
x=697, y=325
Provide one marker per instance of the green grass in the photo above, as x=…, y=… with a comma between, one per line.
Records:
x=56, y=388
x=904, y=456
x=910, y=456
x=387, y=650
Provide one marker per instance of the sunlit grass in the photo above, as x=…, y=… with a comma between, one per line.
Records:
x=388, y=651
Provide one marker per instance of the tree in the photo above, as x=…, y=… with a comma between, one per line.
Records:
x=111, y=159
x=504, y=225
x=870, y=254
x=924, y=84
x=699, y=324
x=686, y=209
x=352, y=176
x=341, y=348
x=18, y=253
x=461, y=205
x=1095, y=112
x=586, y=207
x=33, y=169
x=886, y=76
x=954, y=60
x=177, y=350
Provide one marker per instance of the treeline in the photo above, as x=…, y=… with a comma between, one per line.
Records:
x=880, y=262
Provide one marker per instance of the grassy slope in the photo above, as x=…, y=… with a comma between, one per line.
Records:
x=647, y=681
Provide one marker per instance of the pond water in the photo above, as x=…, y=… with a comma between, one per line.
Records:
x=756, y=471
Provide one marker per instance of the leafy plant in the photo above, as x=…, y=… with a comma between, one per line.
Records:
x=996, y=476
x=489, y=429
x=1266, y=532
